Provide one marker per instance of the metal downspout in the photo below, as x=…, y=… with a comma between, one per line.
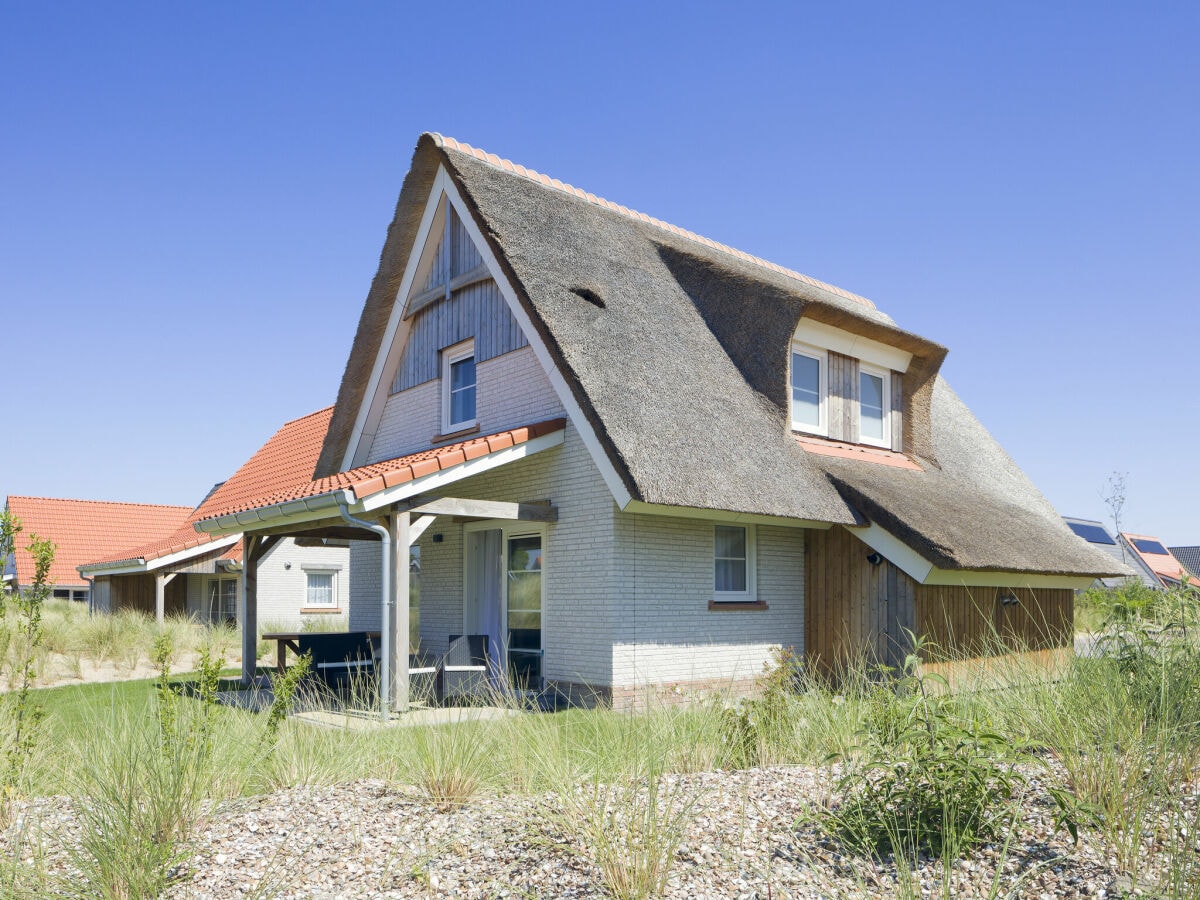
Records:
x=385, y=680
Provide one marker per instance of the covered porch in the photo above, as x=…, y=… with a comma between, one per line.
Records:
x=391, y=505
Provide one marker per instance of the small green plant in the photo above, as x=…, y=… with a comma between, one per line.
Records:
x=21, y=715
x=935, y=779
x=283, y=693
x=450, y=763
x=755, y=729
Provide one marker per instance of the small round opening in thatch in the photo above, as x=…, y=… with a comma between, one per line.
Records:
x=589, y=295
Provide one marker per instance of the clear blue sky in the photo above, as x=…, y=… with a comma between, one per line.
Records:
x=193, y=199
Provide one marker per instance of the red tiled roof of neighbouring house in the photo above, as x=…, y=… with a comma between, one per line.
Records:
x=546, y=180
x=288, y=458
x=373, y=478
x=1163, y=565
x=83, y=530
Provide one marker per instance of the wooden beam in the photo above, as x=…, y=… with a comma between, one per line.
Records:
x=160, y=598
x=248, y=605
x=401, y=540
x=540, y=511
x=334, y=528
x=418, y=528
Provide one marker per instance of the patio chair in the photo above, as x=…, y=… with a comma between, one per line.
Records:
x=466, y=657
x=338, y=656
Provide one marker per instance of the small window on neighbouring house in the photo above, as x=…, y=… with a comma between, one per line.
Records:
x=733, y=562
x=222, y=600
x=873, y=406
x=808, y=390
x=320, y=590
x=458, y=387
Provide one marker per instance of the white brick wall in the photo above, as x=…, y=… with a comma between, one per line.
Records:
x=666, y=631
x=283, y=591
x=511, y=390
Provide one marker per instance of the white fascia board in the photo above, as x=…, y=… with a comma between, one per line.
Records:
x=437, y=480
x=922, y=571
x=371, y=407
x=291, y=512
x=826, y=336
x=180, y=556
x=599, y=457
x=639, y=507
x=125, y=567
x=895, y=551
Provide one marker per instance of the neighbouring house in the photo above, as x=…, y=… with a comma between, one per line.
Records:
x=635, y=458
x=1156, y=557
x=1189, y=558
x=81, y=530
x=183, y=572
x=1097, y=535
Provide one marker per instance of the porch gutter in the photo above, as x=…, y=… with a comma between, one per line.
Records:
x=386, y=603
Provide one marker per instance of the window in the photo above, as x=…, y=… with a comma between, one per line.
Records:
x=733, y=562
x=809, y=389
x=320, y=590
x=524, y=569
x=874, y=419
x=222, y=600
x=458, y=387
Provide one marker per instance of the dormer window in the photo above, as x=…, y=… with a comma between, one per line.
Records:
x=874, y=419
x=458, y=387
x=844, y=385
x=809, y=389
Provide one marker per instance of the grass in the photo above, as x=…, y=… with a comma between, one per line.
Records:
x=1123, y=730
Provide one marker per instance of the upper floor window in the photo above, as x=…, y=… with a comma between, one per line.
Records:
x=458, y=387
x=874, y=419
x=809, y=389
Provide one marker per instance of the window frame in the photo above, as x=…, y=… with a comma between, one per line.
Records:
x=822, y=358
x=750, y=594
x=309, y=572
x=217, y=609
x=451, y=355
x=885, y=377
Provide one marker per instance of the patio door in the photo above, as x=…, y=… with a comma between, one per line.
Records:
x=503, y=599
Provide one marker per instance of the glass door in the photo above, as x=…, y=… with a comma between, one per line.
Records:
x=523, y=564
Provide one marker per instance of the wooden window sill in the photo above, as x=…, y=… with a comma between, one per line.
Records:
x=319, y=610
x=731, y=605
x=454, y=435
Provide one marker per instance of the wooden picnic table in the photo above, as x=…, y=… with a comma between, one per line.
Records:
x=287, y=640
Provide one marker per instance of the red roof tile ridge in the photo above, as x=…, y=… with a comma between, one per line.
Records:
x=530, y=174
x=104, y=502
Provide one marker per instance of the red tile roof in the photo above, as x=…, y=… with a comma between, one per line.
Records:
x=83, y=530
x=288, y=458
x=373, y=478
x=546, y=180
x=826, y=447
x=1166, y=567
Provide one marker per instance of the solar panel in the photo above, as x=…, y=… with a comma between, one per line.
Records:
x=1151, y=547
x=1093, y=534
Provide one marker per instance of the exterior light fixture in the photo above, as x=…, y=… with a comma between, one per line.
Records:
x=874, y=558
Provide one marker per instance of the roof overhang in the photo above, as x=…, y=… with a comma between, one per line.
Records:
x=321, y=507
x=923, y=571
x=139, y=565
x=689, y=512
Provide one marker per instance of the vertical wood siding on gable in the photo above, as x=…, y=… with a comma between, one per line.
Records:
x=477, y=311
x=461, y=256
x=898, y=412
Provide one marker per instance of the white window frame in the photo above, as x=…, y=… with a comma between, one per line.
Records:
x=822, y=358
x=333, y=588
x=886, y=376
x=750, y=594
x=451, y=355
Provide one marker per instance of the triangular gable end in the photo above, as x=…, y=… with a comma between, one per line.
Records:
x=451, y=269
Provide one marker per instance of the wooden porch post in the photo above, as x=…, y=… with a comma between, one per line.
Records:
x=248, y=606
x=160, y=598
x=401, y=538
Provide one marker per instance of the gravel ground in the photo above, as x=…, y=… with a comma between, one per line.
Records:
x=371, y=839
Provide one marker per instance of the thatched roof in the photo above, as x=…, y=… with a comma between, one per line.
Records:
x=676, y=349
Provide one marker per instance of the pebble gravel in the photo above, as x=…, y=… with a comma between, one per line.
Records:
x=749, y=836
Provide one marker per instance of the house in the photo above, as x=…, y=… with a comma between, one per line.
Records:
x=1189, y=558
x=636, y=458
x=182, y=572
x=1097, y=535
x=1156, y=557
x=81, y=530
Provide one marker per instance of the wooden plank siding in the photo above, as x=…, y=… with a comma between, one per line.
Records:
x=898, y=412
x=856, y=612
x=137, y=592
x=843, y=397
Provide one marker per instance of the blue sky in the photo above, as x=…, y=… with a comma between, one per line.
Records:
x=193, y=200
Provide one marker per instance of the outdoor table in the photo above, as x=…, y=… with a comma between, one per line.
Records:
x=286, y=640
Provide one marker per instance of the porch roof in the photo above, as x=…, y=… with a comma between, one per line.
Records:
x=383, y=481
